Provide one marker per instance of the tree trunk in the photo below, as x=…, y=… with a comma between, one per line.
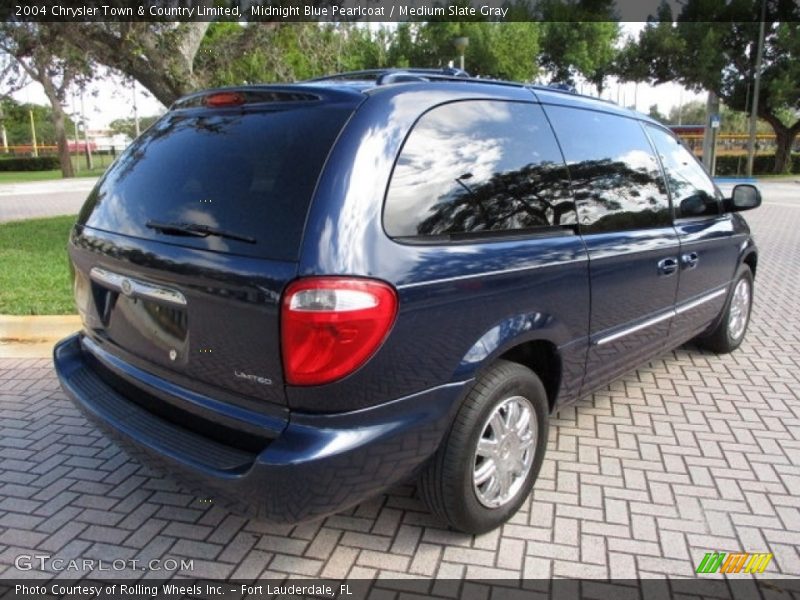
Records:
x=64, y=157
x=783, y=159
x=599, y=83
x=784, y=138
x=61, y=132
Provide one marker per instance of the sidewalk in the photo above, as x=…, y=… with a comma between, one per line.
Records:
x=76, y=184
x=34, y=337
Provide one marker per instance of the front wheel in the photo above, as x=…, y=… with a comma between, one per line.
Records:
x=729, y=332
x=486, y=466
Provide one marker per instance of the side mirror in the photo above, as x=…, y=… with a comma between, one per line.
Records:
x=744, y=197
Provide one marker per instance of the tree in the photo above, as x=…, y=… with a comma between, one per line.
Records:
x=689, y=113
x=497, y=50
x=712, y=46
x=16, y=118
x=232, y=54
x=731, y=121
x=43, y=56
x=579, y=38
x=656, y=114
x=128, y=126
x=159, y=55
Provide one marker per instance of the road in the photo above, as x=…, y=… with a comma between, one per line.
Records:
x=43, y=198
x=690, y=454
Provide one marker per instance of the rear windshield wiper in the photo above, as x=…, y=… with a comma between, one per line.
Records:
x=197, y=230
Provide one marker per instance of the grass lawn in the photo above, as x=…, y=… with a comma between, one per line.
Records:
x=101, y=163
x=23, y=176
x=34, y=277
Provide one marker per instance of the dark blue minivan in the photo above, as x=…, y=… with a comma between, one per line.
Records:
x=296, y=296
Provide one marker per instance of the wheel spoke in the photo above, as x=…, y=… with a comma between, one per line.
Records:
x=487, y=447
x=512, y=416
x=523, y=422
x=486, y=470
x=492, y=490
x=525, y=442
x=499, y=426
x=504, y=481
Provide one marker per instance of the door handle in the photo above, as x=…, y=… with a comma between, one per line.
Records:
x=667, y=266
x=690, y=260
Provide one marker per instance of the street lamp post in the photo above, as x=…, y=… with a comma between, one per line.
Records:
x=135, y=111
x=461, y=44
x=86, y=149
x=33, y=133
x=751, y=140
x=3, y=130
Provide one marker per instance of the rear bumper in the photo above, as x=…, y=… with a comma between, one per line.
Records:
x=318, y=464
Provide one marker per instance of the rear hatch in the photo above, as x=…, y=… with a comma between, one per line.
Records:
x=183, y=248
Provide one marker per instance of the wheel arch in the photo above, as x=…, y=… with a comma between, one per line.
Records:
x=543, y=358
x=532, y=340
x=751, y=260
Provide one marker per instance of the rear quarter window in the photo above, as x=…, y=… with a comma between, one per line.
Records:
x=478, y=168
x=249, y=172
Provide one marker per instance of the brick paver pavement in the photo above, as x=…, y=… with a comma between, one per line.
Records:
x=691, y=453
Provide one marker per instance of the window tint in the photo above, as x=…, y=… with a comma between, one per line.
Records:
x=616, y=179
x=693, y=192
x=250, y=173
x=478, y=166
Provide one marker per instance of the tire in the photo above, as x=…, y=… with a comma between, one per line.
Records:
x=448, y=484
x=729, y=332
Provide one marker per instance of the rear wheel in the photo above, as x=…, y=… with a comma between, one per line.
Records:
x=486, y=466
x=729, y=332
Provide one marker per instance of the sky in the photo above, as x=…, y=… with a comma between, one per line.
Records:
x=112, y=97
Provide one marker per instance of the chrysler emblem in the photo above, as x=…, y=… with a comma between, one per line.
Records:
x=127, y=287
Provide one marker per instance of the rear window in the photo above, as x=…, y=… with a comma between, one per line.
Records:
x=249, y=172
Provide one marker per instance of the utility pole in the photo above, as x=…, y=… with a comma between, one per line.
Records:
x=3, y=130
x=461, y=44
x=710, y=132
x=75, y=125
x=751, y=141
x=33, y=133
x=88, y=153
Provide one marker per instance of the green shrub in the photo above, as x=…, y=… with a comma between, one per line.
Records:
x=736, y=164
x=30, y=163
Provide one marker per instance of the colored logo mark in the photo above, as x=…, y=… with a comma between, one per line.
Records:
x=741, y=562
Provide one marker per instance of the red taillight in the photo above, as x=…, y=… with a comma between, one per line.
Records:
x=224, y=99
x=330, y=326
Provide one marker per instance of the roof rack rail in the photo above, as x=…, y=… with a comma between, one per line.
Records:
x=563, y=87
x=386, y=76
x=397, y=75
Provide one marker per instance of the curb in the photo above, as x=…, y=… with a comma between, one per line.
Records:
x=34, y=336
